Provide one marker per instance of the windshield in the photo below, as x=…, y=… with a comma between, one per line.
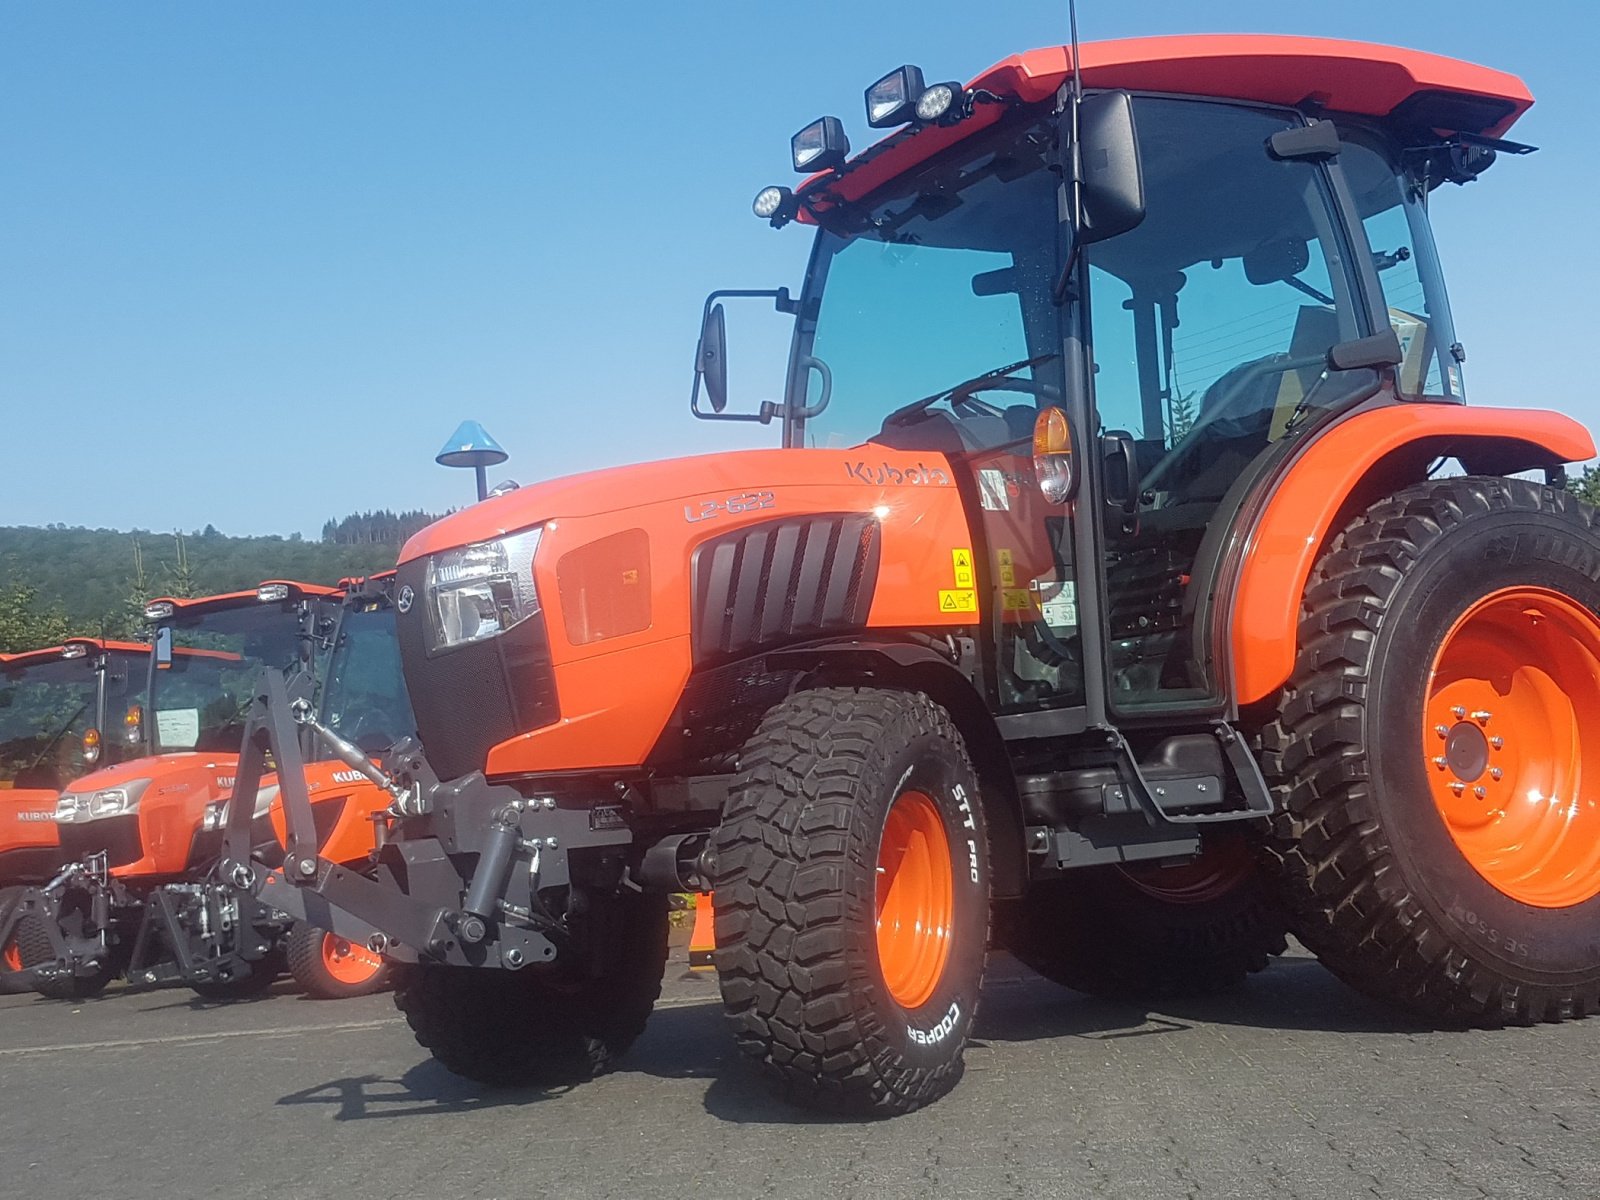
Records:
x=200, y=699
x=47, y=707
x=945, y=282
x=365, y=698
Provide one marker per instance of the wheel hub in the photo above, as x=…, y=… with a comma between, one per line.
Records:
x=1510, y=736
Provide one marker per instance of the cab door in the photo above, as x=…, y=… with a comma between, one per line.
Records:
x=1211, y=325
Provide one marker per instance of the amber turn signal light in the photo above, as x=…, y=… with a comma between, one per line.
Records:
x=1054, y=468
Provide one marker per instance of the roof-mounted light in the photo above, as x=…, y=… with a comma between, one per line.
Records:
x=269, y=592
x=820, y=146
x=893, y=99
x=74, y=651
x=159, y=611
x=775, y=203
x=943, y=102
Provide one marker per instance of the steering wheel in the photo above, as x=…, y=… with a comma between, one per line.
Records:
x=1277, y=364
x=965, y=397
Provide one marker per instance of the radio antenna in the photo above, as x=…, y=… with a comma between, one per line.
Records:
x=1077, y=68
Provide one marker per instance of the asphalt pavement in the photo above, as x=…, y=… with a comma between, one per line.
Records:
x=1292, y=1086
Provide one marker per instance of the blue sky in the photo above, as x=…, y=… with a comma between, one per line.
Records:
x=257, y=261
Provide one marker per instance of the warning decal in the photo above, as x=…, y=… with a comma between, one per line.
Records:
x=963, y=564
x=1008, y=571
x=1018, y=600
x=963, y=600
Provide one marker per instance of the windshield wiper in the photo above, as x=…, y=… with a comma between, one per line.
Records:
x=903, y=414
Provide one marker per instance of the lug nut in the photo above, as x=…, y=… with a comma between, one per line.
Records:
x=1497, y=742
x=1458, y=787
x=1458, y=712
x=1480, y=792
x=1495, y=772
x=1441, y=731
x=1439, y=761
x=1482, y=715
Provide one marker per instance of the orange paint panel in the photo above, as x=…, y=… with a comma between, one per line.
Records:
x=1284, y=544
x=613, y=707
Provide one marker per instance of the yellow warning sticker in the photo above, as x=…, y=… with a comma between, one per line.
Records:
x=963, y=564
x=1017, y=599
x=1004, y=556
x=963, y=600
x=1008, y=575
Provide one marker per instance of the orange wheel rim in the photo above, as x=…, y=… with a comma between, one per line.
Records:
x=1512, y=744
x=348, y=962
x=11, y=956
x=916, y=899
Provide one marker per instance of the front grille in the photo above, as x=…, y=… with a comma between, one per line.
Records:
x=473, y=697
x=782, y=581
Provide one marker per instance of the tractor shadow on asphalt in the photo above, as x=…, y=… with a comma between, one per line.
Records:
x=688, y=1040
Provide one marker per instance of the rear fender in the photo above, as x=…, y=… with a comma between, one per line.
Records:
x=911, y=666
x=1346, y=469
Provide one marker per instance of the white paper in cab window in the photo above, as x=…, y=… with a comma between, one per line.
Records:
x=178, y=728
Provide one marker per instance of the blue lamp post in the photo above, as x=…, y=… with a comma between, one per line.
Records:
x=471, y=446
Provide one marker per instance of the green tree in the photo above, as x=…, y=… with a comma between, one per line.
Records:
x=25, y=623
x=1586, y=486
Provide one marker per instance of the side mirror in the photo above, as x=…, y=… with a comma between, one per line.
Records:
x=1113, y=180
x=711, y=358
x=163, y=647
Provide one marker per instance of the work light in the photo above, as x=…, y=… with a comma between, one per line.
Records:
x=159, y=611
x=941, y=102
x=74, y=651
x=820, y=146
x=773, y=203
x=893, y=99
x=268, y=592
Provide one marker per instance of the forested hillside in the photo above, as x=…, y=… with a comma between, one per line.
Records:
x=57, y=581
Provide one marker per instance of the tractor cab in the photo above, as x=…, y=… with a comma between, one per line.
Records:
x=55, y=705
x=1247, y=257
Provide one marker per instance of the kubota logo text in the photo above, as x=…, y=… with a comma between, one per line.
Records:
x=919, y=475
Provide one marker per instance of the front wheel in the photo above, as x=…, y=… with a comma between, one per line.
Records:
x=330, y=967
x=1437, y=755
x=549, y=1026
x=852, y=899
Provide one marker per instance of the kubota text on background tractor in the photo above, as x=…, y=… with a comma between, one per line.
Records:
x=1132, y=568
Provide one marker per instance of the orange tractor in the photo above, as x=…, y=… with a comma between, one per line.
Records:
x=140, y=838
x=1132, y=572
x=54, y=703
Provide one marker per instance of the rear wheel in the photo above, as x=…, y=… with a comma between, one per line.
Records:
x=852, y=899
x=544, y=1027
x=33, y=949
x=10, y=953
x=1142, y=931
x=330, y=967
x=1437, y=752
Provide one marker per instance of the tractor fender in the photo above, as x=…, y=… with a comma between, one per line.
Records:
x=1344, y=470
x=920, y=667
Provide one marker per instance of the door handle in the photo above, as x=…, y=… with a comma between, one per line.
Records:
x=1120, y=456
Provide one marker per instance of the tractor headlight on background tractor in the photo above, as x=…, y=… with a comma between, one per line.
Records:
x=480, y=591
x=76, y=808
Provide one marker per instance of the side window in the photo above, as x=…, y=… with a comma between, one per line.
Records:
x=1397, y=229
x=1212, y=320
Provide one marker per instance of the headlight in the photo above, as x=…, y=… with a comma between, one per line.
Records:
x=74, y=808
x=215, y=816
x=478, y=591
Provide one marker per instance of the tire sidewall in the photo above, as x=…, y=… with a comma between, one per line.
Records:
x=1463, y=564
x=932, y=1034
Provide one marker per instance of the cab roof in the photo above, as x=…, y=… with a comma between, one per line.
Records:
x=49, y=654
x=198, y=604
x=1417, y=92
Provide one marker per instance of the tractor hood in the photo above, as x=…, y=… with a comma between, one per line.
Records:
x=702, y=478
